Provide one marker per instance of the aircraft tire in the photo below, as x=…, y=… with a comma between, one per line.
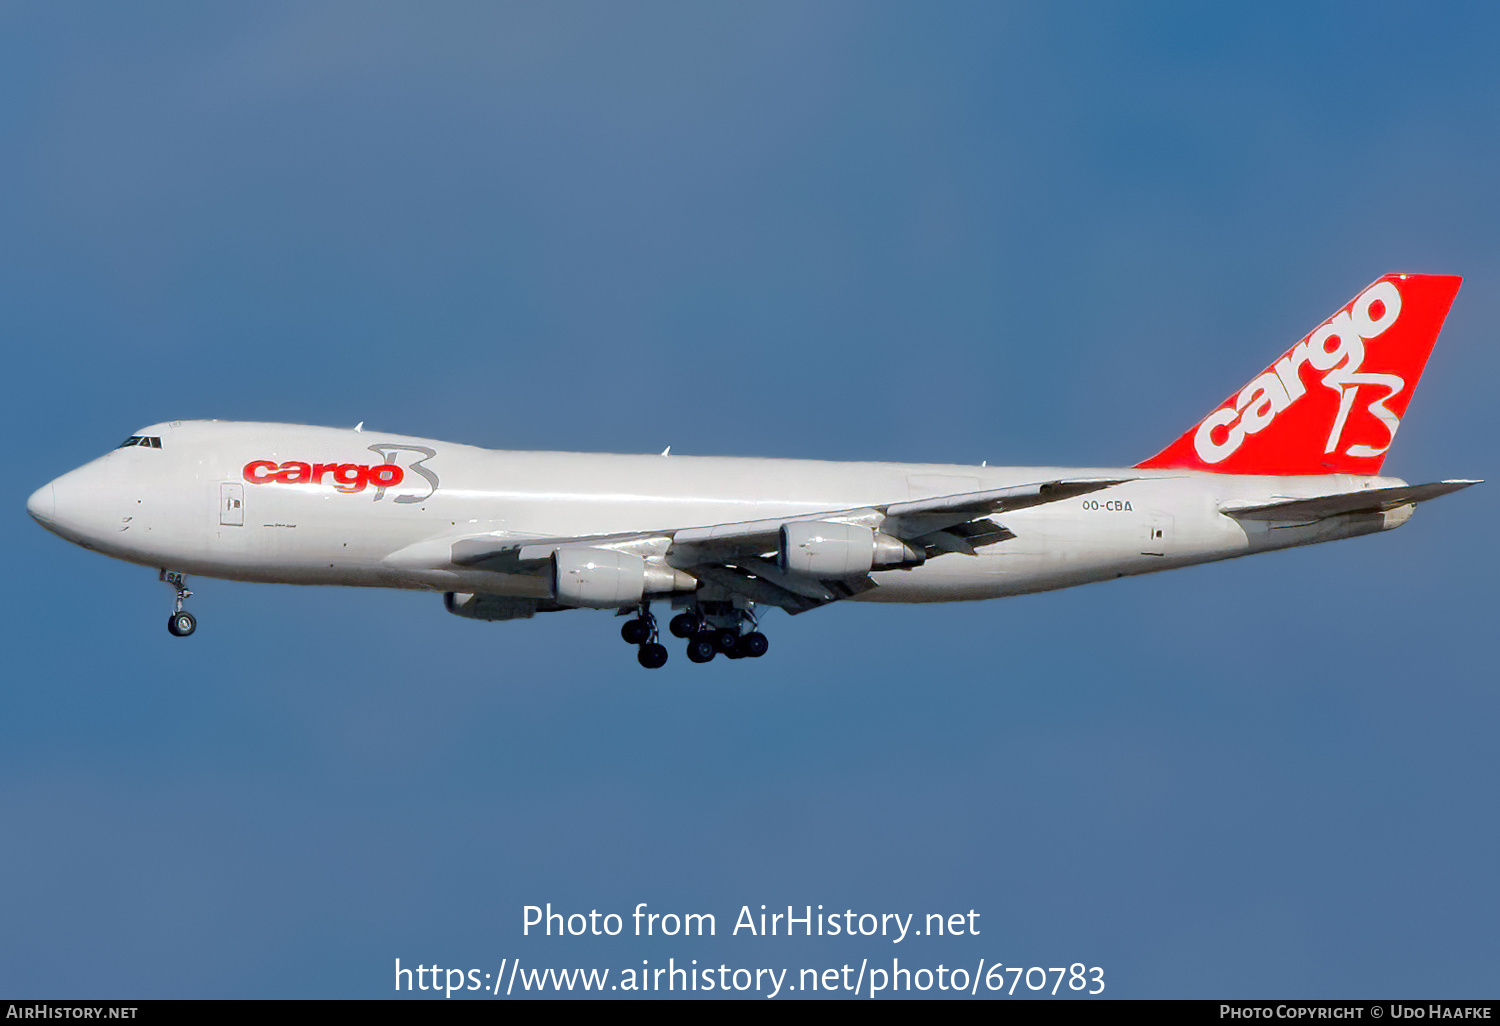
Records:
x=701, y=648
x=754, y=644
x=683, y=625
x=725, y=639
x=635, y=632
x=180, y=625
x=652, y=656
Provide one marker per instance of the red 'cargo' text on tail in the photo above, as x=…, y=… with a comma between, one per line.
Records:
x=1333, y=402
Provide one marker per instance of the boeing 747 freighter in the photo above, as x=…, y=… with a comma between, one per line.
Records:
x=1292, y=458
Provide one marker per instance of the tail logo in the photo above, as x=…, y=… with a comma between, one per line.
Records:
x=1337, y=348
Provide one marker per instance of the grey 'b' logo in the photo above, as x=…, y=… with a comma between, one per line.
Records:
x=407, y=458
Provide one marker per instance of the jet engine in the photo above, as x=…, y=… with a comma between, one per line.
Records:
x=820, y=548
x=607, y=579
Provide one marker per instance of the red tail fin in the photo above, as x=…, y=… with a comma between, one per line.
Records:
x=1332, y=404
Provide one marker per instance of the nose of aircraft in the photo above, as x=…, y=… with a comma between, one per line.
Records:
x=43, y=504
x=75, y=506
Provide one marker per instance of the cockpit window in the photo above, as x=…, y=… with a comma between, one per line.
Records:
x=149, y=441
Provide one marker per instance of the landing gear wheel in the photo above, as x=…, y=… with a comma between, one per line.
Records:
x=181, y=623
x=726, y=639
x=754, y=645
x=683, y=625
x=635, y=632
x=701, y=648
x=652, y=656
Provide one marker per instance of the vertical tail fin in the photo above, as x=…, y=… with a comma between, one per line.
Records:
x=1332, y=403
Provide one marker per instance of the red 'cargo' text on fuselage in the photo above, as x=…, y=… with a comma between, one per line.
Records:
x=347, y=477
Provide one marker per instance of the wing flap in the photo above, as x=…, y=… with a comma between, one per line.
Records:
x=757, y=589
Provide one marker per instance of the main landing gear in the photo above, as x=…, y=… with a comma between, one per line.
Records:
x=715, y=628
x=642, y=632
x=181, y=623
x=709, y=628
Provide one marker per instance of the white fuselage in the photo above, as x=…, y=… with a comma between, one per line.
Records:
x=208, y=501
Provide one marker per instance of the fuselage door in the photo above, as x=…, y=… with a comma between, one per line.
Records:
x=232, y=505
x=1158, y=540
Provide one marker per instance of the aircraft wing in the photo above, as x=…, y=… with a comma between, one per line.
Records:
x=910, y=521
x=1369, y=500
x=741, y=557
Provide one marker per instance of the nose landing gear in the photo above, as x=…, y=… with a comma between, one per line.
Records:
x=181, y=623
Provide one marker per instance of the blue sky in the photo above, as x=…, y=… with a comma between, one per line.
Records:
x=1029, y=234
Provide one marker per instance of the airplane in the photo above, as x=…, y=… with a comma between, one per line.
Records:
x=1292, y=458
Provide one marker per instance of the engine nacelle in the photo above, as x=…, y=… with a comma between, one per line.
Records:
x=820, y=548
x=607, y=579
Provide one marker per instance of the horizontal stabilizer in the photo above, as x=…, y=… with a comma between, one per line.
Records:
x=1369, y=500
